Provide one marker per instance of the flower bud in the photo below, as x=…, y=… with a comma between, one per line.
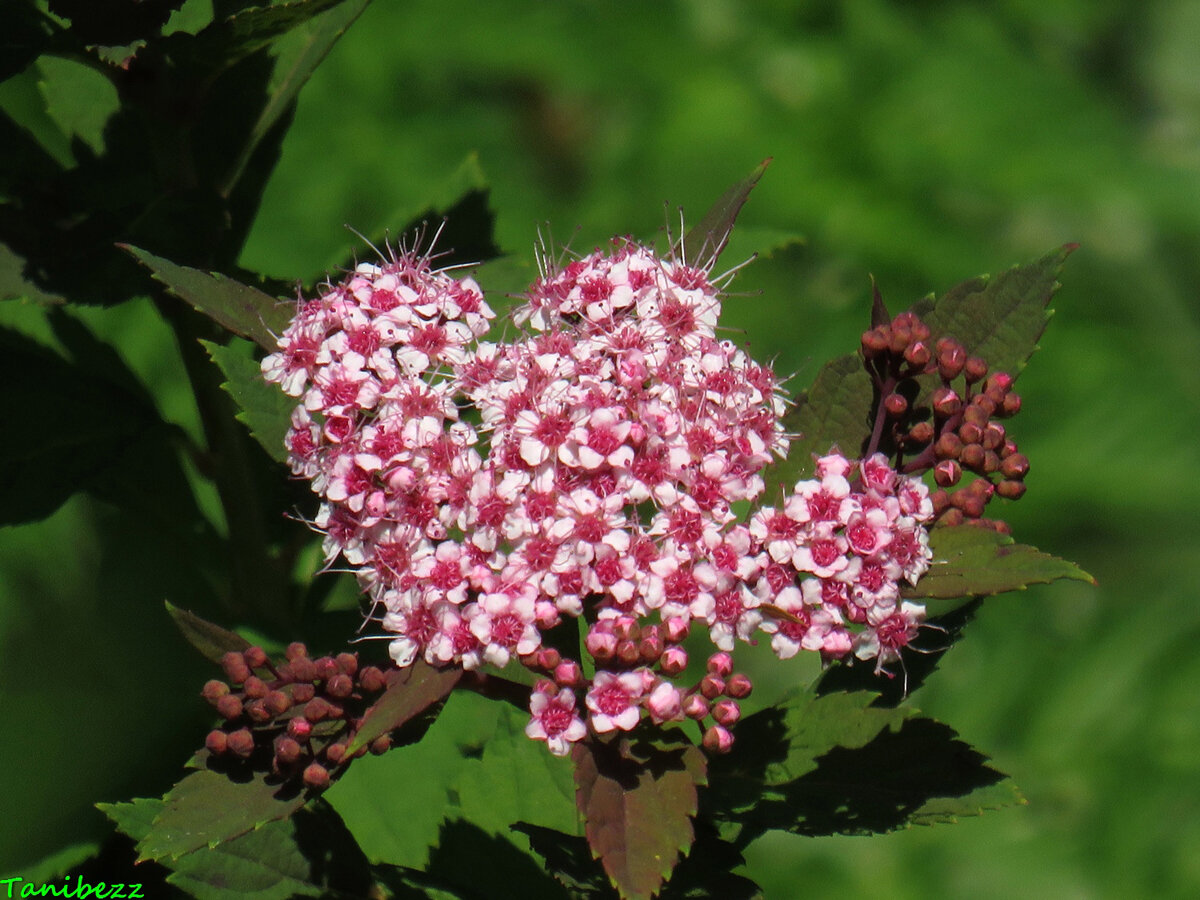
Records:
x=696, y=707
x=739, y=686
x=235, y=667
x=380, y=745
x=214, y=690
x=918, y=353
x=335, y=753
x=317, y=709
x=299, y=728
x=948, y=446
x=975, y=369
x=1011, y=405
x=718, y=739
x=347, y=662
x=674, y=660
x=240, y=743
x=1000, y=383
x=340, y=686
x=303, y=669
x=945, y=402
x=953, y=517
x=258, y=712
x=1015, y=466
x=970, y=433
x=302, y=693
x=977, y=412
x=650, y=647
x=216, y=742
x=626, y=628
x=874, y=342
x=627, y=652
x=568, y=673
x=896, y=405
x=712, y=686
x=726, y=712
x=1011, y=490
x=295, y=650
x=255, y=688
x=229, y=707
x=548, y=658
x=677, y=629
x=940, y=501
x=316, y=776
x=326, y=667
x=901, y=336
x=720, y=664
x=255, y=657
x=921, y=433
x=600, y=644
x=947, y=473
x=951, y=358
x=993, y=436
x=287, y=751
x=972, y=457
x=372, y=679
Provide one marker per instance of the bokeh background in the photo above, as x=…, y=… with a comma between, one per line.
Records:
x=923, y=143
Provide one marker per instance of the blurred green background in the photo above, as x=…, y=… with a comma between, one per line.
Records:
x=923, y=143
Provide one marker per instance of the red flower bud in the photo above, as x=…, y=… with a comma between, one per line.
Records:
x=712, y=686
x=726, y=712
x=372, y=679
x=1011, y=490
x=214, y=690
x=975, y=369
x=1015, y=466
x=945, y=402
x=316, y=776
x=255, y=657
x=240, y=743
x=896, y=405
x=739, y=686
x=295, y=650
x=347, y=662
x=718, y=739
x=216, y=741
x=947, y=473
x=229, y=707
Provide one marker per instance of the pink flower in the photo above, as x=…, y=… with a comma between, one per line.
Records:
x=553, y=719
x=615, y=699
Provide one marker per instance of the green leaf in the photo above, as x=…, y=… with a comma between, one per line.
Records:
x=208, y=807
x=703, y=244
x=1001, y=318
x=834, y=412
x=518, y=780
x=837, y=765
x=264, y=408
x=978, y=562
x=296, y=57
x=78, y=98
x=305, y=855
x=948, y=810
x=211, y=640
x=395, y=804
x=244, y=310
x=637, y=797
x=409, y=693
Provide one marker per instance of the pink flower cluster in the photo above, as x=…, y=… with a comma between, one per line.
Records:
x=484, y=492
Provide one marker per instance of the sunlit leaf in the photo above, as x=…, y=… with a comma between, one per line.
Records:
x=637, y=797
x=1000, y=318
x=264, y=409
x=978, y=562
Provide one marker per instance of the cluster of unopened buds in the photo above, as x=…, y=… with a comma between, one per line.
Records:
x=952, y=430
x=583, y=476
x=302, y=713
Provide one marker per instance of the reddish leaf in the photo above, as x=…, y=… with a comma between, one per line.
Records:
x=637, y=798
x=410, y=692
x=704, y=242
x=211, y=640
x=244, y=310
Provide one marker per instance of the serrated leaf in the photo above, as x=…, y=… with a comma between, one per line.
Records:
x=705, y=241
x=410, y=691
x=948, y=810
x=208, y=807
x=299, y=856
x=211, y=640
x=264, y=408
x=637, y=798
x=296, y=58
x=1000, y=318
x=517, y=780
x=978, y=562
x=244, y=310
x=497, y=866
x=917, y=773
x=835, y=411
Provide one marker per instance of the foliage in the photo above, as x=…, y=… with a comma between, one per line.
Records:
x=178, y=168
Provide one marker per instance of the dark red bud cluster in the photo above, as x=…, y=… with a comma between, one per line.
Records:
x=906, y=336
x=716, y=697
x=297, y=717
